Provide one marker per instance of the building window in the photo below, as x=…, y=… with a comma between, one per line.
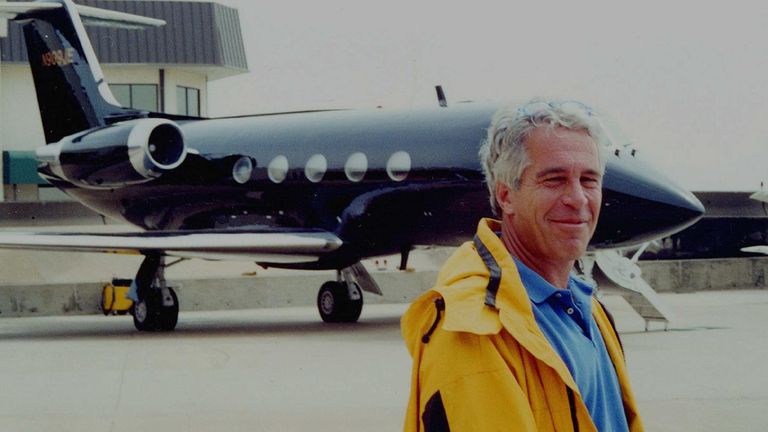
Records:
x=137, y=96
x=188, y=101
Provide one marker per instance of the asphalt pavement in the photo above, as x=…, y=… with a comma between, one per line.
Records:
x=285, y=370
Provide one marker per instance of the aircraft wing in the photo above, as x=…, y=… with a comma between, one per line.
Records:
x=756, y=249
x=760, y=196
x=283, y=246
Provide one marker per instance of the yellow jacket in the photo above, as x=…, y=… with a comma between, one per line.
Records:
x=482, y=368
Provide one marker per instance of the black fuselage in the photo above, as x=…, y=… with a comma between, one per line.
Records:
x=375, y=210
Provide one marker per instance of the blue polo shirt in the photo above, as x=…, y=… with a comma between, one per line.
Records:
x=565, y=318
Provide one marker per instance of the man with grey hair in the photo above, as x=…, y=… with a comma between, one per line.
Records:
x=508, y=339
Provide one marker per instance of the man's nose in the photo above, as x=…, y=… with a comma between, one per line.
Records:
x=574, y=195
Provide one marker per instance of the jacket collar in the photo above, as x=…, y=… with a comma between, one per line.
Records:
x=483, y=293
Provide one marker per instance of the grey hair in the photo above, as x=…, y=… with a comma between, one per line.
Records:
x=504, y=154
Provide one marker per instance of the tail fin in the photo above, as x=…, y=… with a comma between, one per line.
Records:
x=71, y=91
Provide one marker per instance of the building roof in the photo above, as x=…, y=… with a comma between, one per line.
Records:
x=731, y=205
x=202, y=35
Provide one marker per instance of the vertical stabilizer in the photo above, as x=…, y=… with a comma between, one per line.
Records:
x=71, y=91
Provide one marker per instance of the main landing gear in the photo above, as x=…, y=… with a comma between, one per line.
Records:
x=341, y=301
x=157, y=307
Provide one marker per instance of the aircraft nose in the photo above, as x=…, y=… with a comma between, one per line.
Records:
x=640, y=204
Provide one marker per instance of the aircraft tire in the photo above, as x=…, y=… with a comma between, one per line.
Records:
x=169, y=315
x=336, y=306
x=149, y=314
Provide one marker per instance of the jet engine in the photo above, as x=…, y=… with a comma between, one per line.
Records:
x=120, y=154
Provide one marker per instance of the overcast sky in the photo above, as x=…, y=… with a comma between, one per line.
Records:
x=687, y=82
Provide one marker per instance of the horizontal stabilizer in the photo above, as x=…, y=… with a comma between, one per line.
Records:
x=109, y=18
x=11, y=10
x=89, y=15
x=272, y=246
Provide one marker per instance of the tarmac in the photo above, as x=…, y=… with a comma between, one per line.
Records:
x=283, y=369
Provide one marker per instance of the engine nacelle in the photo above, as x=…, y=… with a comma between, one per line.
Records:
x=121, y=154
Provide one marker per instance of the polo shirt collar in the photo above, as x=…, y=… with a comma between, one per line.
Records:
x=539, y=290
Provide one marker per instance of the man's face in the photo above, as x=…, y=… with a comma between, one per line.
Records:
x=554, y=212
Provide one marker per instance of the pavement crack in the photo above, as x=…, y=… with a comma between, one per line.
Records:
x=119, y=398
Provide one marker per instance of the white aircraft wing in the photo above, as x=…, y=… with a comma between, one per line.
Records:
x=756, y=249
x=290, y=246
x=760, y=196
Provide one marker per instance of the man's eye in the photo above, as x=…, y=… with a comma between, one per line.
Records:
x=554, y=181
x=590, y=181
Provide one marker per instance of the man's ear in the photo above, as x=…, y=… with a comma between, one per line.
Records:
x=505, y=198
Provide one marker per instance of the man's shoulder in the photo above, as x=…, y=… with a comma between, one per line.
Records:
x=463, y=262
x=446, y=326
x=456, y=308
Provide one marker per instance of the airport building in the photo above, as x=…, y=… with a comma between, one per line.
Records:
x=164, y=69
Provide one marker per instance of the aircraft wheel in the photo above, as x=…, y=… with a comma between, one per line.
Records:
x=169, y=315
x=149, y=313
x=336, y=305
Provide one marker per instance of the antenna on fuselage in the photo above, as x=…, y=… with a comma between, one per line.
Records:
x=441, y=96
